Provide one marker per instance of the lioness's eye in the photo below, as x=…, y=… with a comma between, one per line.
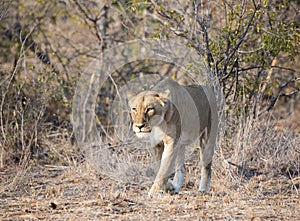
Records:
x=133, y=109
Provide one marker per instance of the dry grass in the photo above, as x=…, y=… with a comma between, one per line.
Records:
x=81, y=193
x=255, y=177
x=257, y=145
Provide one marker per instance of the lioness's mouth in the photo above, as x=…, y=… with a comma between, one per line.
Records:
x=143, y=132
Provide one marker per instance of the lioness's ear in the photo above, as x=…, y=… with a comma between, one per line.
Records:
x=129, y=95
x=164, y=97
x=165, y=94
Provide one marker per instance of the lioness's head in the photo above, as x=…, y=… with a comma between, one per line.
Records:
x=147, y=110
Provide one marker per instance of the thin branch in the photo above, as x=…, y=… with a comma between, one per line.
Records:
x=242, y=37
x=4, y=8
x=261, y=66
x=93, y=20
x=86, y=15
x=279, y=94
x=203, y=26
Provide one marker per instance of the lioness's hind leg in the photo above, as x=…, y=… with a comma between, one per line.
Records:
x=206, y=154
x=205, y=178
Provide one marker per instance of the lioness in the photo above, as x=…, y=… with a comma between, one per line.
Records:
x=172, y=116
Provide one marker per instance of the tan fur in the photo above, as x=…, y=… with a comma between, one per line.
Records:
x=172, y=116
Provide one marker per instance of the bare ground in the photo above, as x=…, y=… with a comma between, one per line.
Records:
x=81, y=193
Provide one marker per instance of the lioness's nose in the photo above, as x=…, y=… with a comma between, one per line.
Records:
x=140, y=126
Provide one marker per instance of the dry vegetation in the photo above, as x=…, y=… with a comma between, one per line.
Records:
x=265, y=187
x=252, y=49
x=81, y=193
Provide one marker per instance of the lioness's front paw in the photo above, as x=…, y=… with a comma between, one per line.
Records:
x=156, y=190
x=159, y=190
